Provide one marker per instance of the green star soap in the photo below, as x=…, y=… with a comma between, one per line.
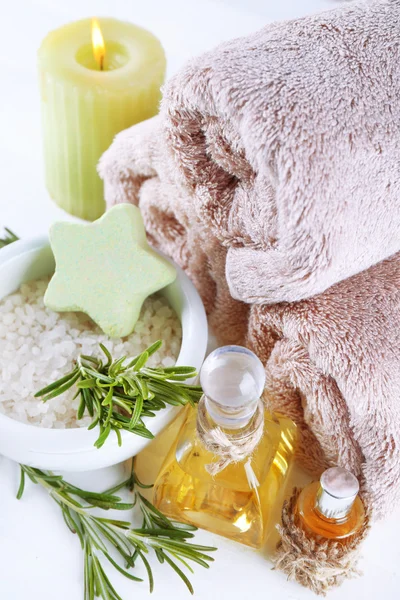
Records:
x=106, y=269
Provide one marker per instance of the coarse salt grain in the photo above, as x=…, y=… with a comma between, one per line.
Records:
x=38, y=346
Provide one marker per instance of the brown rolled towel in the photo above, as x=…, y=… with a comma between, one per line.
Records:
x=290, y=141
x=272, y=173
x=333, y=364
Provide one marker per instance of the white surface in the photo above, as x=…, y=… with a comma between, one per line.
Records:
x=39, y=558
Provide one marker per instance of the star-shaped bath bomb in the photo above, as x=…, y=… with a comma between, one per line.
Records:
x=106, y=269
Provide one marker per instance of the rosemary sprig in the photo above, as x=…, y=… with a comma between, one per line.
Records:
x=113, y=540
x=8, y=238
x=118, y=394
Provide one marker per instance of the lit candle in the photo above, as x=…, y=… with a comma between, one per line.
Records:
x=96, y=79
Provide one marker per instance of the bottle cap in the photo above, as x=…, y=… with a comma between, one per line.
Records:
x=233, y=379
x=338, y=490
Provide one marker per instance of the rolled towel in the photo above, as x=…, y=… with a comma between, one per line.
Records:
x=333, y=365
x=289, y=140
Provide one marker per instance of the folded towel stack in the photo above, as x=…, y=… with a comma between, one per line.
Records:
x=272, y=176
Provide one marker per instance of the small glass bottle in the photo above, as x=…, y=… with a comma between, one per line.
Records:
x=331, y=508
x=229, y=503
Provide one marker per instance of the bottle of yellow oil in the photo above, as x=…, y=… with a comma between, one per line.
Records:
x=231, y=497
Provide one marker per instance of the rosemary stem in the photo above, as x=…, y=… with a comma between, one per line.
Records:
x=97, y=535
x=61, y=499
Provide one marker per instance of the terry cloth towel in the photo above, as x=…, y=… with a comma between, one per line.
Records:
x=272, y=173
x=333, y=365
x=290, y=141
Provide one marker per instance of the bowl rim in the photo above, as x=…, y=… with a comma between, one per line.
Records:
x=193, y=320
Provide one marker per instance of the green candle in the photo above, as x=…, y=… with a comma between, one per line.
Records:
x=96, y=79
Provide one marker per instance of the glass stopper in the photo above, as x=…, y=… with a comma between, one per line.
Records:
x=233, y=379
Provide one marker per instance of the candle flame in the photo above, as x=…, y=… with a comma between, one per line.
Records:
x=99, y=48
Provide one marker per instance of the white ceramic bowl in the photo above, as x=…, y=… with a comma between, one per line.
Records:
x=73, y=449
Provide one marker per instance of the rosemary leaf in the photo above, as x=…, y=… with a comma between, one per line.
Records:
x=21, y=484
x=149, y=571
x=121, y=570
x=119, y=393
x=136, y=413
x=104, y=433
x=143, y=358
x=57, y=391
x=180, y=573
x=180, y=370
x=9, y=238
x=87, y=383
x=82, y=407
x=96, y=534
x=57, y=384
x=119, y=438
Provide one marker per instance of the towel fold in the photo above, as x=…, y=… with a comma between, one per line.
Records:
x=333, y=365
x=270, y=175
x=290, y=141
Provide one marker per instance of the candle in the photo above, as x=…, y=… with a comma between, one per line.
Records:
x=96, y=79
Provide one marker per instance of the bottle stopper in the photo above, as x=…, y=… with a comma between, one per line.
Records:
x=338, y=490
x=233, y=379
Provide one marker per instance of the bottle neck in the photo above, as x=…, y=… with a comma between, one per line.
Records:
x=230, y=418
x=233, y=440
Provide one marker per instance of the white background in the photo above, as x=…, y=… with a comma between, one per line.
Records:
x=39, y=558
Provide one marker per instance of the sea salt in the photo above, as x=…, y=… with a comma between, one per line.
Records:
x=38, y=346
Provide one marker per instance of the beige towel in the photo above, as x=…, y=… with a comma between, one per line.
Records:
x=290, y=140
x=273, y=173
x=333, y=364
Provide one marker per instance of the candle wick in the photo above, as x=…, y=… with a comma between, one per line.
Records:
x=102, y=63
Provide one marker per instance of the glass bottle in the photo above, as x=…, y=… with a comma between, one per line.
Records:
x=236, y=502
x=331, y=508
